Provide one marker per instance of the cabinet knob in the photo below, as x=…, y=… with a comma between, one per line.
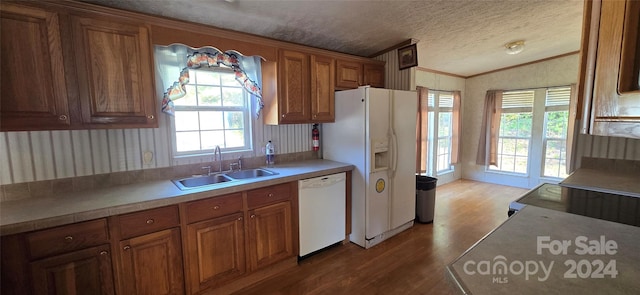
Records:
x=150, y=117
x=127, y=247
x=270, y=195
x=68, y=238
x=253, y=216
x=239, y=218
x=284, y=115
x=103, y=252
x=315, y=116
x=216, y=207
x=150, y=221
x=63, y=117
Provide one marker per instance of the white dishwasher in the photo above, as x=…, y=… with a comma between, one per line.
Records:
x=322, y=205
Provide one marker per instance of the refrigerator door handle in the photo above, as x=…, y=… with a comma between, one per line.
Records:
x=394, y=151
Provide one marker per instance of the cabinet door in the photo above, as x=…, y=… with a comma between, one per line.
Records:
x=293, y=100
x=348, y=74
x=85, y=271
x=33, y=89
x=322, y=89
x=114, y=63
x=616, y=92
x=270, y=236
x=374, y=75
x=215, y=250
x=152, y=264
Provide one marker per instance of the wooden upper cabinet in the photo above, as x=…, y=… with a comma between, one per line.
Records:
x=322, y=89
x=305, y=89
x=33, y=86
x=374, y=75
x=115, y=78
x=293, y=78
x=348, y=74
x=610, y=68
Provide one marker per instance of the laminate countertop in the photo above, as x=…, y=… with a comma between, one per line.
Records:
x=616, y=182
x=39, y=213
x=540, y=251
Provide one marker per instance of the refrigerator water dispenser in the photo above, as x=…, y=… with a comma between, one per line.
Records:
x=380, y=155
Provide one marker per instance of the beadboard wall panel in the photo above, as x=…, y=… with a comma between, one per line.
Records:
x=394, y=78
x=605, y=147
x=44, y=155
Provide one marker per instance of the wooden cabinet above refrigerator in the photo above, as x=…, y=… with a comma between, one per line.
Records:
x=609, y=85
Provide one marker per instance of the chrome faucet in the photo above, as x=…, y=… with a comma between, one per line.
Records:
x=217, y=151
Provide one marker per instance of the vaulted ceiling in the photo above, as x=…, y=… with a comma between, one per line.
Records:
x=462, y=37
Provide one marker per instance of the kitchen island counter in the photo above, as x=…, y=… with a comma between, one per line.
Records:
x=39, y=213
x=533, y=251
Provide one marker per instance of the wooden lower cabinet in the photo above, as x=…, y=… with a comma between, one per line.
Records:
x=215, y=251
x=152, y=264
x=85, y=271
x=270, y=234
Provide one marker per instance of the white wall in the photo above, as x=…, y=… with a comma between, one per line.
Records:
x=451, y=83
x=555, y=72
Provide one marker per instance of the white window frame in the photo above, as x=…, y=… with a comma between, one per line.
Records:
x=435, y=107
x=248, y=122
x=519, y=105
x=559, y=102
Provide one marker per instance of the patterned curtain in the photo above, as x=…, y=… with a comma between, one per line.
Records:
x=173, y=63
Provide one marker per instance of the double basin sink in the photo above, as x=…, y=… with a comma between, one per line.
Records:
x=205, y=180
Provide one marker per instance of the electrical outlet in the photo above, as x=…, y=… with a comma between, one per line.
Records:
x=147, y=157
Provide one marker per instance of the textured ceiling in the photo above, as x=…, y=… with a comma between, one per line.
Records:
x=463, y=37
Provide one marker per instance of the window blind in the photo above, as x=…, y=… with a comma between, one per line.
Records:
x=445, y=101
x=517, y=100
x=558, y=96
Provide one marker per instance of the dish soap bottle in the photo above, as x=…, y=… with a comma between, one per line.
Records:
x=271, y=153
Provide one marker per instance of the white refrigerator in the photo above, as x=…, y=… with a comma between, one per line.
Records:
x=375, y=130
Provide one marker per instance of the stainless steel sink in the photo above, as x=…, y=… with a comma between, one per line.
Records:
x=250, y=173
x=200, y=180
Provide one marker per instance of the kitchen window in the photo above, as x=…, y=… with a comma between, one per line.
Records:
x=216, y=111
x=514, y=138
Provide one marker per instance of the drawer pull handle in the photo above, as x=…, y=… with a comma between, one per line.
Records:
x=63, y=117
x=150, y=117
x=104, y=252
x=270, y=195
x=150, y=221
x=216, y=207
x=68, y=238
x=253, y=216
x=126, y=247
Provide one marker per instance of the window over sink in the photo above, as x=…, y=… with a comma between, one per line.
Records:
x=215, y=111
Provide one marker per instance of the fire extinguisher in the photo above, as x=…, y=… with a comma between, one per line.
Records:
x=315, y=135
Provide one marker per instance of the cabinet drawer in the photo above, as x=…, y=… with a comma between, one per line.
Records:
x=268, y=195
x=213, y=207
x=67, y=238
x=140, y=223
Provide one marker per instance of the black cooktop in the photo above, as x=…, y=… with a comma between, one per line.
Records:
x=606, y=206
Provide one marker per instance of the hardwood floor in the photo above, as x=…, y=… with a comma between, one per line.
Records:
x=412, y=262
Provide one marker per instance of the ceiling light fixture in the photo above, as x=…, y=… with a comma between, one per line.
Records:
x=514, y=47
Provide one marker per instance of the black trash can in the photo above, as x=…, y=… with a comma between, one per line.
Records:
x=425, y=198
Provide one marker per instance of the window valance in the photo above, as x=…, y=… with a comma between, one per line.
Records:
x=173, y=63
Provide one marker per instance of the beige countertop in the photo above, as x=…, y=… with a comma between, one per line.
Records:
x=515, y=243
x=606, y=181
x=38, y=213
